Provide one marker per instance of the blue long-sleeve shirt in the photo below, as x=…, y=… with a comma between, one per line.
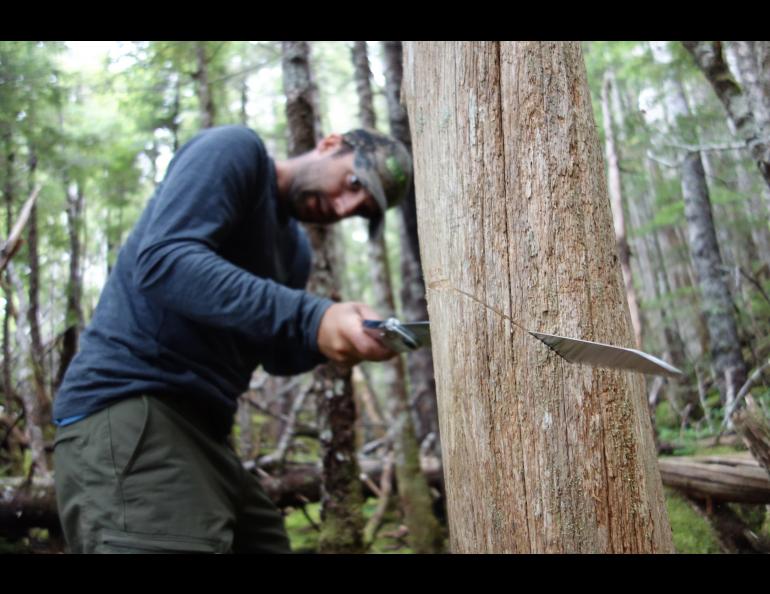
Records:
x=206, y=288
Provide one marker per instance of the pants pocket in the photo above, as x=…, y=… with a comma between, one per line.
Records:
x=117, y=541
x=128, y=421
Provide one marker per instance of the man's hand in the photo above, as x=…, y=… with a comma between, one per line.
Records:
x=342, y=339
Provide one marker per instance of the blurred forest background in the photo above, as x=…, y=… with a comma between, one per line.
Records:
x=92, y=126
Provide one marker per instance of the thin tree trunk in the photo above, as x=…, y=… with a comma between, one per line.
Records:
x=717, y=302
x=756, y=210
x=74, y=319
x=708, y=56
x=37, y=358
x=244, y=116
x=8, y=195
x=342, y=499
x=424, y=531
x=362, y=78
x=246, y=430
x=33, y=414
x=539, y=455
x=419, y=363
x=203, y=87
x=618, y=216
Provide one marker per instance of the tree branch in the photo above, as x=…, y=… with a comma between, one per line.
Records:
x=14, y=241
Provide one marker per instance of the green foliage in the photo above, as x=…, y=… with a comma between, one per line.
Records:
x=304, y=537
x=691, y=533
x=665, y=418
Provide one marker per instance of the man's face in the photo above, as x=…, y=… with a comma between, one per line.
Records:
x=326, y=190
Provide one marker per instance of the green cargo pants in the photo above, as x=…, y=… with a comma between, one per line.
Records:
x=147, y=475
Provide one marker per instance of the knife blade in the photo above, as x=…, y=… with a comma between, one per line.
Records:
x=406, y=337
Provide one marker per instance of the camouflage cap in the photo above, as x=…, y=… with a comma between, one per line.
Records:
x=383, y=166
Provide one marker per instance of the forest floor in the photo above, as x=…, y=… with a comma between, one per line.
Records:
x=692, y=533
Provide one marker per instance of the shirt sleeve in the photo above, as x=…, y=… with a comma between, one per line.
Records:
x=210, y=186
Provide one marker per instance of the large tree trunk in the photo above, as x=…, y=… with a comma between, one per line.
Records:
x=413, y=303
x=341, y=502
x=708, y=56
x=424, y=530
x=515, y=224
x=616, y=199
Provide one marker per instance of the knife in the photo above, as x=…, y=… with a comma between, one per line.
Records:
x=406, y=337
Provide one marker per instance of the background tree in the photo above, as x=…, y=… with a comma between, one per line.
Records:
x=341, y=499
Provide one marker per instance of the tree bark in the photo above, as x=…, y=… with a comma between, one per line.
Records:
x=616, y=200
x=424, y=531
x=244, y=116
x=709, y=59
x=74, y=318
x=362, y=77
x=341, y=502
x=37, y=359
x=8, y=196
x=419, y=363
x=717, y=303
x=33, y=414
x=756, y=211
x=539, y=455
x=752, y=60
x=203, y=87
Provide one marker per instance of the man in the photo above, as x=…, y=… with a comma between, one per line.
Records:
x=207, y=287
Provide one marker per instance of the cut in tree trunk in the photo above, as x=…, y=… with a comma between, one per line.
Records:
x=539, y=455
x=425, y=535
x=341, y=502
x=414, y=306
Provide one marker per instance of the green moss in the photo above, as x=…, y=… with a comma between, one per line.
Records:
x=302, y=536
x=692, y=534
x=305, y=539
x=665, y=417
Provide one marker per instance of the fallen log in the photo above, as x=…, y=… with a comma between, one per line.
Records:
x=735, y=478
x=34, y=506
